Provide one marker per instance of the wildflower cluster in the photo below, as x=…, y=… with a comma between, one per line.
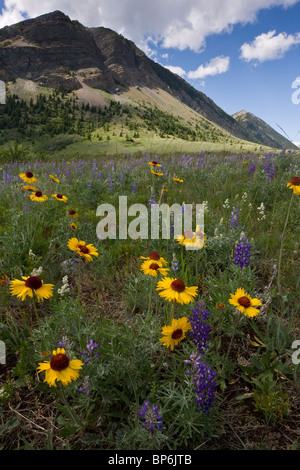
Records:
x=242, y=253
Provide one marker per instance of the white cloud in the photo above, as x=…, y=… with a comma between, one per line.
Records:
x=268, y=46
x=175, y=23
x=213, y=67
x=178, y=70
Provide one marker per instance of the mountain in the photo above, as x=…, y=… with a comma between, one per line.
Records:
x=262, y=131
x=51, y=51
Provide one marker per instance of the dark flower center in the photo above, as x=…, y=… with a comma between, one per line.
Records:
x=59, y=196
x=177, y=334
x=34, y=282
x=178, y=285
x=83, y=249
x=155, y=256
x=38, y=193
x=72, y=212
x=154, y=162
x=244, y=301
x=295, y=181
x=29, y=174
x=189, y=234
x=154, y=266
x=59, y=362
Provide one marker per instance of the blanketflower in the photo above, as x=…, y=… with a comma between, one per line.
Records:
x=60, y=368
x=174, y=333
x=60, y=197
x=244, y=303
x=177, y=180
x=28, y=177
x=156, y=173
x=38, y=196
x=154, y=163
x=175, y=290
x=31, y=285
x=155, y=257
x=294, y=184
x=153, y=267
x=30, y=188
x=3, y=279
x=192, y=239
x=82, y=249
x=72, y=213
x=54, y=179
x=73, y=226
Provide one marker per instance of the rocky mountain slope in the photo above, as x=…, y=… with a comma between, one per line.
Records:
x=262, y=131
x=53, y=51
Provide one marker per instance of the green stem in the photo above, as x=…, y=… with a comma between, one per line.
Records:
x=232, y=337
x=66, y=403
x=38, y=321
x=281, y=245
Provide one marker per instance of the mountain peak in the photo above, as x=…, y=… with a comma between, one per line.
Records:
x=262, y=131
x=54, y=52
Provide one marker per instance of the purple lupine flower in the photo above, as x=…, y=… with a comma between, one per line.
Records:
x=203, y=377
x=90, y=185
x=269, y=170
x=26, y=208
x=62, y=342
x=85, y=387
x=110, y=182
x=234, y=218
x=251, y=168
x=90, y=353
x=200, y=329
x=152, y=420
x=174, y=264
x=134, y=187
x=242, y=253
x=121, y=178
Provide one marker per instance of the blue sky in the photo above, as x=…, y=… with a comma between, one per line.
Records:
x=243, y=54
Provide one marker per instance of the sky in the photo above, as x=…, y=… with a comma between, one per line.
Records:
x=243, y=54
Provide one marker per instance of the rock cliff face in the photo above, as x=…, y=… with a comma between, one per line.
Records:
x=54, y=51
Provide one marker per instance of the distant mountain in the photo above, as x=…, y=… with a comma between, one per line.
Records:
x=264, y=133
x=53, y=51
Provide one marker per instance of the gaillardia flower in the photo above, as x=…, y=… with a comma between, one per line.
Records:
x=177, y=180
x=153, y=267
x=72, y=213
x=60, y=197
x=82, y=249
x=60, y=368
x=38, y=196
x=28, y=177
x=294, y=184
x=244, y=303
x=190, y=239
x=156, y=257
x=174, y=333
x=30, y=285
x=156, y=173
x=175, y=290
x=30, y=188
x=154, y=163
x=220, y=306
x=3, y=279
x=73, y=226
x=54, y=179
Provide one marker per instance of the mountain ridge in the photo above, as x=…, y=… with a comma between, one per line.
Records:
x=53, y=50
x=262, y=131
